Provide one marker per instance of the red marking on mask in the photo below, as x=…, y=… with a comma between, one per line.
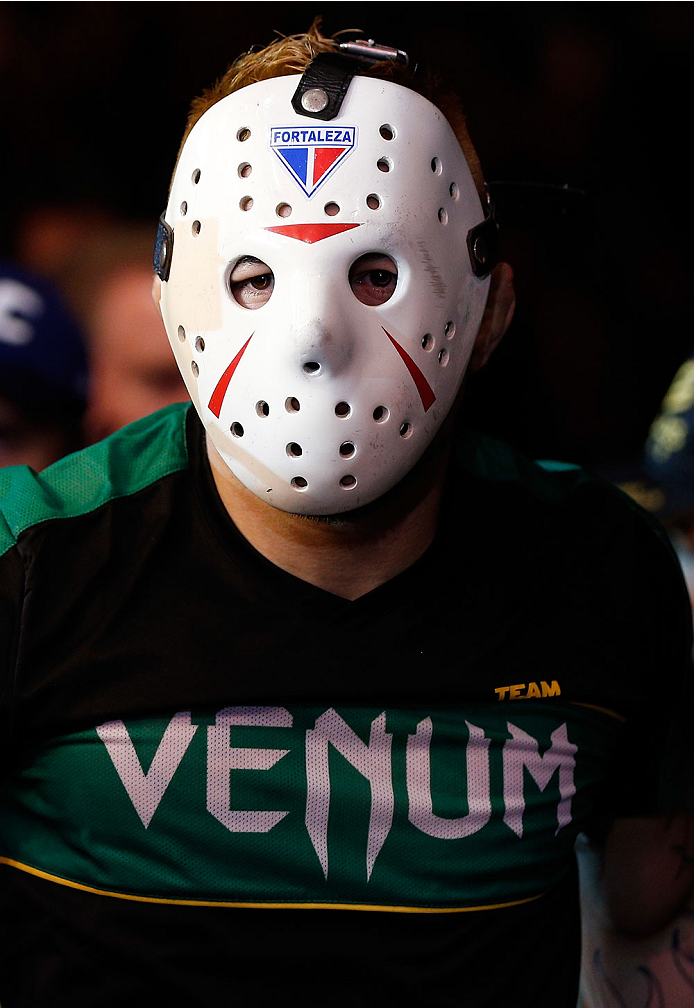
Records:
x=324, y=158
x=426, y=393
x=217, y=397
x=311, y=233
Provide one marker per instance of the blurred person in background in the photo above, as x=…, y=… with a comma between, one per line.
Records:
x=132, y=370
x=661, y=478
x=669, y=463
x=43, y=371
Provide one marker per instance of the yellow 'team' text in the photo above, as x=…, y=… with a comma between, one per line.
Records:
x=533, y=689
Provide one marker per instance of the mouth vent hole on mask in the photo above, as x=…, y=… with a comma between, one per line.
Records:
x=194, y=368
x=443, y=358
x=283, y=210
x=195, y=228
x=381, y=414
x=443, y=215
x=343, y=409
x=195, y=177
x=347, y=449
x=449, y=331
x=294, y=450
x=384, y=164
x=427, y=342
x=405, y=430
x=387, y=131
x=200, y=344
x=373, y=201
x=237, y=429
x=243, y=134
x=436, y=165
x=246, y=203
x=299, y=483
x=311, y=367
x=454, y=190
x=331, y=209
x=181, y=334
x=184, y=208
x=245, y=169
x=292, y=405
x=262, y=408
x=348, y=482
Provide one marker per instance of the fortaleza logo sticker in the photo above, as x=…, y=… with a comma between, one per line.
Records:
x=311, y=154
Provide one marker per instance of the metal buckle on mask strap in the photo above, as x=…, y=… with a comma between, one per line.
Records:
x=326, y=79
x=374, y=52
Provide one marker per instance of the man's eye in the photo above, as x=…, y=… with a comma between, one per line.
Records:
x=373, y=279
x=381, y=278
x=251, y=282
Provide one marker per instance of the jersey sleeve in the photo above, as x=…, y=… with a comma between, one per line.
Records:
x=11, y=596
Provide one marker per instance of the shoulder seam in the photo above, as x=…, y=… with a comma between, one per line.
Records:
x=55, y=498
x=69, y=516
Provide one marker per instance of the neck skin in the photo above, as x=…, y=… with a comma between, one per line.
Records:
x=351, y=554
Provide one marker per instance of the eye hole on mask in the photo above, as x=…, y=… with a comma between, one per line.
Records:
x=251, y=282
x=373, y=278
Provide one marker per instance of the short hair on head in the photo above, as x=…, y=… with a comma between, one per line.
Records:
x=291, y=54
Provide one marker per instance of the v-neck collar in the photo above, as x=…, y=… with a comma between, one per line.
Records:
x=274, y=580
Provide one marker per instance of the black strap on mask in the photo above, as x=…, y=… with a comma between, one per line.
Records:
x=163, y=249
x=324, y=83
x=483, y=243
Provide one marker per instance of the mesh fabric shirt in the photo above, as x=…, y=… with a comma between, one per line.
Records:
x=221, y=781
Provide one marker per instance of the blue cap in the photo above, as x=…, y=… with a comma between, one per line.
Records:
x=43, y=362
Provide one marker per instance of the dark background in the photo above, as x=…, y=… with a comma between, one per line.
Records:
x=593, y=96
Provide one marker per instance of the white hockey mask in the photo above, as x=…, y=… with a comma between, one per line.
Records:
x=317, y=402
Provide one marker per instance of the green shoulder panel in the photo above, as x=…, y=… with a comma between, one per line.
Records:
x=498, y=462
x=545, y=479
x=122, y=464
x=554, y=482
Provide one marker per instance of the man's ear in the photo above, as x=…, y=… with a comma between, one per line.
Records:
x=156, y=292
x=498, y=313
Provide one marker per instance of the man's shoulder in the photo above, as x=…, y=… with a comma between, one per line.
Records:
x=498, y=463
x=503, y=468
x=121, y=465
x=541, y=502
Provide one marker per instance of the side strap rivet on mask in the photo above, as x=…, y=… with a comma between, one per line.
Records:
x=483, y=246
x=480, y=251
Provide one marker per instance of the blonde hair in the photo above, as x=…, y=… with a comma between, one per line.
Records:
x=291, y=54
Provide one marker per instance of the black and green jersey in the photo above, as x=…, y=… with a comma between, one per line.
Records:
x=221, y=781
